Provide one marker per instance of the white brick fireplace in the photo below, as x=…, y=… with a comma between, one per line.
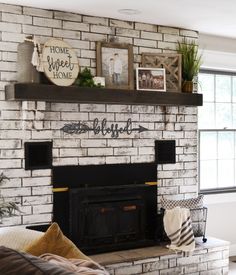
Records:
x=21, y=122
x=37, y=121
x=34, y=121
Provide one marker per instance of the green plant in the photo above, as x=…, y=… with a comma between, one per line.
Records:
x=85, y=79
x=7, y=209
x=191, y=60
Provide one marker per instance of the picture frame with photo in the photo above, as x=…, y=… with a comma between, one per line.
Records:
x=151, y=79
x=115, y=64
x=171, y=62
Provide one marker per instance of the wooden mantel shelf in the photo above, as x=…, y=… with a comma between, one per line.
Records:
x=53, y=93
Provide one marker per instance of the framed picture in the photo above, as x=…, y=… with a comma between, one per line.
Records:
x=151, y=79
x=169, y=61
x=115, y=63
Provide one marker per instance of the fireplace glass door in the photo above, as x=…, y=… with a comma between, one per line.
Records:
x=108, y=217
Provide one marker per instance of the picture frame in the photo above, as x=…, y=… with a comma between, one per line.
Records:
x=172, y=62
x=151, y=79
x=115, y=63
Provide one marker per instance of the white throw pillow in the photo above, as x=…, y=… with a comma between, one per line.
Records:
x=18, y=237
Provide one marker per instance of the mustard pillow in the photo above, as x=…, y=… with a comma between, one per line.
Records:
x=53, y=241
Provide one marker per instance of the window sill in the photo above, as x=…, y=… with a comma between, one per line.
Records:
x=219, y=198
x=218, y=191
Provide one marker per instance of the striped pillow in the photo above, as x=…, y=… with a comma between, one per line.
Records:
x=187, y=203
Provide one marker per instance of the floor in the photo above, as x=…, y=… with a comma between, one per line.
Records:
x=232, y=266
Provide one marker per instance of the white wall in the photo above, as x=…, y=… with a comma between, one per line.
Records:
x=220, y=53
x=217, y=43
x=221, y=222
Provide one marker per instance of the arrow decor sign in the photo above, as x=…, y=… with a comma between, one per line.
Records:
x=114, y=129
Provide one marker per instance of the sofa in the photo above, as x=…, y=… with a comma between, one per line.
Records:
x=29, y=252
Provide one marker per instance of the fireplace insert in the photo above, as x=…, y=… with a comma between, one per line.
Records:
x=107, y=207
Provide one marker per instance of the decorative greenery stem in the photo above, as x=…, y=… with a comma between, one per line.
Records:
x=7, y=209
x=191, y=60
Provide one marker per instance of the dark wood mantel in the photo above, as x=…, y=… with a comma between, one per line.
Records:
x=53, y=93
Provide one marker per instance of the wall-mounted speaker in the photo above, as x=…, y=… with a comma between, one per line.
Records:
x=38, y=155
x=165, y=151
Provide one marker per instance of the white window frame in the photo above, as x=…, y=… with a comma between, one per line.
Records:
x=217, y=189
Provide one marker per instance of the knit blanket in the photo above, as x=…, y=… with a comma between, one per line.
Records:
x=178, y=227
x=78, y=266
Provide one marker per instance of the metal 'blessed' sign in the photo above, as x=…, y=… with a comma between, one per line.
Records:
x=60, y=62
x=114, y=129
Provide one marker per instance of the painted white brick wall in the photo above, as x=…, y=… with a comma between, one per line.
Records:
x=40, y=121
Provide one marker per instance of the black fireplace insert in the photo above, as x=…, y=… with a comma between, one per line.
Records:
x=107, y=207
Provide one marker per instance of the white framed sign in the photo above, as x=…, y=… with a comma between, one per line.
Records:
x=60, y=62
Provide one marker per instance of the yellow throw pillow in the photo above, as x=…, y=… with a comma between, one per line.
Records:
x=53, y=241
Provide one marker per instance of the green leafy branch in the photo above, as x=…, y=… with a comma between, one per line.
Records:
x=7, y=209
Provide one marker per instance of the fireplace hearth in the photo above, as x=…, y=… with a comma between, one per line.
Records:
x=107, y=207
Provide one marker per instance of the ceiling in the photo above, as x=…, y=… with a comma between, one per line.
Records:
x=215, y=17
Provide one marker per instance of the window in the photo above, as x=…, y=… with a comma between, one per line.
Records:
x=217, y=132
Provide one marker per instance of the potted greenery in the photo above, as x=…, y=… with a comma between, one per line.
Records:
x=191, y=62
x=7, y=209
x=86, y=79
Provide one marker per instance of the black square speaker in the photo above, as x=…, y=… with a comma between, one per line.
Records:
x=165, y=151
x=38, y=155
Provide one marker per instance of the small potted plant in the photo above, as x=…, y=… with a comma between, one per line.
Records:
x=191, y=62
x=7, y=209
x=86, y=79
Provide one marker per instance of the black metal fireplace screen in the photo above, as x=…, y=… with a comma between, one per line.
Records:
x=107, y=207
